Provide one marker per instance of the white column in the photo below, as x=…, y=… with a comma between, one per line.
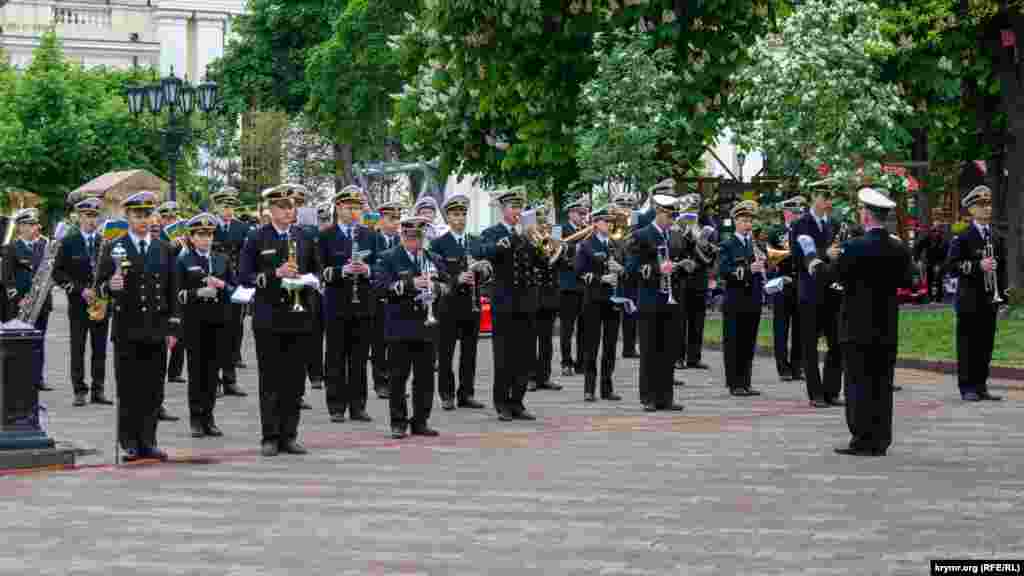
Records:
x=172, y=32
x=209, y=41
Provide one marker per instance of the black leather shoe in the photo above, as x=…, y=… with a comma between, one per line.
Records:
x=897, y=388
x=100, y=398
x=383, y=394
x=448, y=404
x=785, y=377
x=847, y=450
x=989, y=396
x=836, y=402
x=470, y=403
x=819, y=404
x=674, y=408
x=630, y=354
x=153, y=453
x=303, y=405
x=589, y=397
x=753, y=392
x=650, y=408
x=129, y=455
x=680, y=365
x=44, y=387
x=176, y=380
x=269, y=449
x=523, y=414
x=613, y=397
x=80, y=400
x=424, y=431
x=337, y=417
x=798, y=376
x=567, y=371
x=316, y=385
x=697, y=366
x=293, y=447
x=505, y=416
x=549, y=385
x=398, y=432
x=531, y=387
x=211, y=429
x=198, y=430
x=360, y=416
x=166, y=416
x=232, y=389
x=971, y=397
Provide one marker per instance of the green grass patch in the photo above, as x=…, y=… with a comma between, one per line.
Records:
x=925, y=335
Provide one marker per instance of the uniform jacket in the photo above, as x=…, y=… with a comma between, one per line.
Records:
x=335, y=253
x=403, y=316
x=965, y=254
x=642, y=264
x=811, y=289
x=742, y=287
x=546, y=282
x=262, y=254
x=191, y=271
x=230, y=241
x=591, y=263
x=20, y=265
x=451, y=260
x=513, y=270
x=75, y=267
x=146, y=309
x=871, y=269
x=567, y=279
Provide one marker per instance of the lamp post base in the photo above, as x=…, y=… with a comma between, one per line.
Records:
x=23, y=439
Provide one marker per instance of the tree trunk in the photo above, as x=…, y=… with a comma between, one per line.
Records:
x=342, y=165
x=1007, y=209
x=919, y=153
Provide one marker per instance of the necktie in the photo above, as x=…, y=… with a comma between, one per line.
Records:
x=461, y=245
x=985, y=233
x=88, y=246
x=142, y=247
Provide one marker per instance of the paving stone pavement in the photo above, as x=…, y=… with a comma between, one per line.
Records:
x=729, y=486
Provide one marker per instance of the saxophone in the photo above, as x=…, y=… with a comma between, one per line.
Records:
x=97, y=310
x=42, y=282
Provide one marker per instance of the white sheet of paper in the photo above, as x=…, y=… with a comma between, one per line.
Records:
x=243, y=295
x=774, y=286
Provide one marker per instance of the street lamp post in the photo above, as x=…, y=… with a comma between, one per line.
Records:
x=179, y=98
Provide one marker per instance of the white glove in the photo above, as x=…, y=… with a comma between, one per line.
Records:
x=814, y=264
x=398, y=288
x=689, y=265
x=504, y=243
x=588, y=277
x=612, y=279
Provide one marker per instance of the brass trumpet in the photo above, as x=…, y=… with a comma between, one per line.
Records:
x=293, y=260
x=775, y=255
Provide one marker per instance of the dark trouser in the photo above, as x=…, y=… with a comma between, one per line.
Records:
x=96, y=332
x=465, y=332
x=975, y=338
x=570, y=320
x=315, y=362
x=739, y=339
x=544, y=326
x=869, y=402
x=381, y=356
x=628, y=332
x=414, y=356
x=281, y=385
x=39, y=348
x=786, y=322
x=602, y=319
x=176, y=362
x=139, y=370
x=348, y=345
x=512, y=333
x=815, y=320
x=692, y=341
x=658, y=332
x=934, y=276
x=207, y=343
x=233, y=338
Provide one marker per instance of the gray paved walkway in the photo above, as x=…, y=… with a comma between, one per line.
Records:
x=730, y=486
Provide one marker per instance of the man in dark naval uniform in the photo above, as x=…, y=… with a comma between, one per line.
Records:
x=388, y=238
x=273, y=258
x=871, y=269
x=652, y=262
x=742, y=270
x=156, y=230
x=600, y=273
x=137, y=272
x=402, y=275
x=786, y=322
x=457, y=311
x=818, y=304
x=513, y=305
x=978, y=257
x=167, y=214
x=624, y=205
x=228, y=240
x=75, y=270
x=546, y=285
x=205, y=282
x=570, y=298
x=22, y=260
x=348, y=252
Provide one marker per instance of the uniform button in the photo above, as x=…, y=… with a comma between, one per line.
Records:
x=144, y=308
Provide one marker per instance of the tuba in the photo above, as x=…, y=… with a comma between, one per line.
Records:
x=42, y=282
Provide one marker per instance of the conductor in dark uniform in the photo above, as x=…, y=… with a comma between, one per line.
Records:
x=599, y=273
x=228, y=240
x=570, y=297
x=402, y=275
x=742, y=271
x=205, y=282
x=818, y=304
x=978, y=257
x=272, y=255
x=75, y=270
x=651, y=261
x=513, y=305
x=457, y=311
x=137, y=272
x=786, y=322
x=22, y=260
x=871, y=269
x=348, y=253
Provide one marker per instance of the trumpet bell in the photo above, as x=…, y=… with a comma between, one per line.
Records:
x=775, y=256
